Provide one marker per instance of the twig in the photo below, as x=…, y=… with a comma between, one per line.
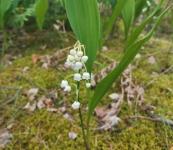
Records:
x=154, y=118
x=164, y=72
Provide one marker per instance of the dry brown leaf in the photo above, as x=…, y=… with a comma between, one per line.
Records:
x=107, y=116
x=31, y=93
x=52, y=110
x=41, y=104
x=30, y=106
x=151, y=60
x=5, y=137
x=114, y=96
x=68, y=117
x=104, y=48
x=35, y=58
x=25, y=69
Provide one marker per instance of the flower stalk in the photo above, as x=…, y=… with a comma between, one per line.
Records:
x=87, y=147
x=76, y=61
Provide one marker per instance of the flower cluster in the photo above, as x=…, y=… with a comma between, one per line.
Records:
x=76, y=60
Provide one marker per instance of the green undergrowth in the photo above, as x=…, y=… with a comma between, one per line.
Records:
x=46, y=130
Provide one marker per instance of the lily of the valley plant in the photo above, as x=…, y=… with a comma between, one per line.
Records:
x=85, y=19
x=76, y=61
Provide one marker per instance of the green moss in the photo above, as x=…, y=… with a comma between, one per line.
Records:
x=46, y=130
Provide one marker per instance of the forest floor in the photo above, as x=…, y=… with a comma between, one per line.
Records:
x=31, y=75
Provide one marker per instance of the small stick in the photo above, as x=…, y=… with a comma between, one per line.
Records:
x=154, y=118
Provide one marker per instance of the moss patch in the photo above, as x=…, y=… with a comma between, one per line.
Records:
x=45, y=130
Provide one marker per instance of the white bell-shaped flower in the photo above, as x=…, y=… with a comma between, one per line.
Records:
x=67, y=88
x=77, y=77
x=76, y=105
x=77, y=58
x=84, y=59
x=68, y=64
x=73, y=52
x=64, y=83
x=79, y=53
x=86, y=76
x=88, y=85
x=70, y=58
x=78, y=66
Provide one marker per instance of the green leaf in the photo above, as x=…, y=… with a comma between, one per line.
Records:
x=129, y=55
x=138, y=30
x=116, y=12
x=140, y=4
x=84, y=18
x=128, y=14
x=4, y=6
x=40, y=11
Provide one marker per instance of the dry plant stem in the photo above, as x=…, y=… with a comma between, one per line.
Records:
x=154, y=118
x=87, y=147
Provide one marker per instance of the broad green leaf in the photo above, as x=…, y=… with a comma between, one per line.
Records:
x=129, y=55
x=84, y=18
x=138, y=30
x=128, y=14
x=40, y=11
x=140, y=4
x=4, y=6
x=116, y=12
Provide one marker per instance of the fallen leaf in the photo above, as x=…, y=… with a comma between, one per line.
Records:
x=114, y=96
x=104, y=48
x=52, y=110
x=107, y=116
x=25, y=69
x=48, y=102
x=110, y=122
x=35, y=58
x=5, y=137
x=40, y=104
x=68, y=117
x=32, y=93
x=30, y=107
x=151, y=60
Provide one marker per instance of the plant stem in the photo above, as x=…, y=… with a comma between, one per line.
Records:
x=81, y=120
x=83, y=130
